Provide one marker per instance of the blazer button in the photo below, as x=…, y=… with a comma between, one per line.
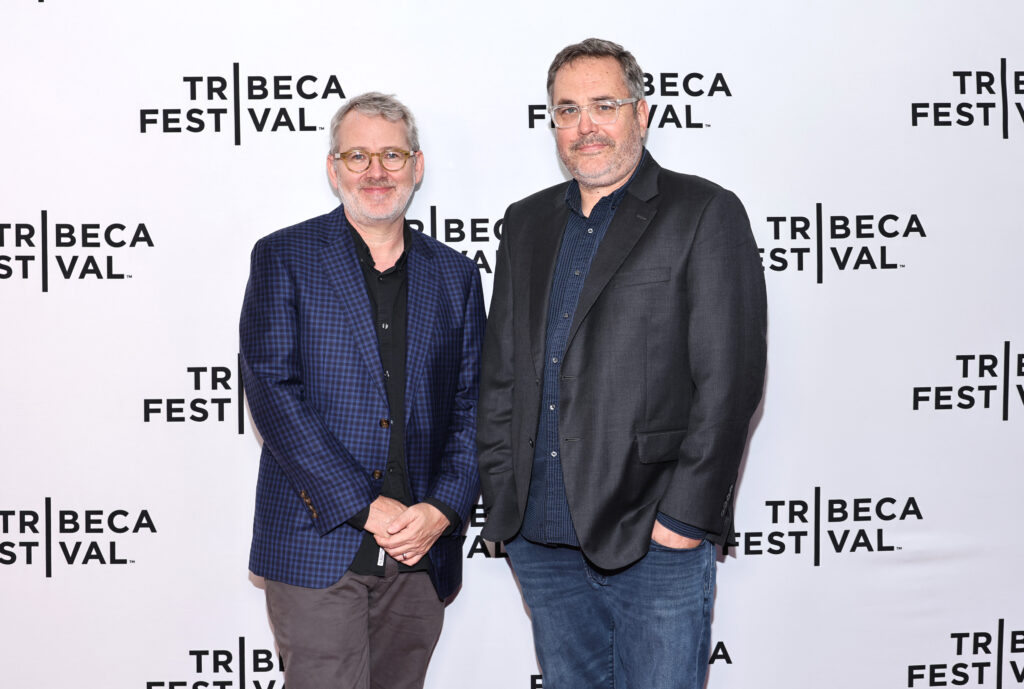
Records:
x=530, y=441
x=384, y=423
x=377, y=474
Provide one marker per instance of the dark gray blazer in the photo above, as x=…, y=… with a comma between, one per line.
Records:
x=663, y=368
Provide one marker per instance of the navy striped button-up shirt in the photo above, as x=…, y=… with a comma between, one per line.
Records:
x=547, y=518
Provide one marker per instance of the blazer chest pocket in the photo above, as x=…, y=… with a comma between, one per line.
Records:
x=659, y=446
x=645, y=276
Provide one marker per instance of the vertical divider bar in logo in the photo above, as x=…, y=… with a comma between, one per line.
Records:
x=999, y=654
x=1006, y=100
x=49, y=538
x=1006, y=381
x=237, y=105
x=241, y=397
x=820, y=248
x=817, y=517
x=45, y=249
x=241, y=661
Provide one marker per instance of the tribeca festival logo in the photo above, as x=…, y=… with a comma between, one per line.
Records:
x=828, y=526
x=667, y=113
x=56, y=537
x=212, y=390
x=983, y=99
x=68, y=251
x=977, y=659
x=824, y=243
x=215, y=104
x=987, y=382
x=220, y=668
x=457, y=231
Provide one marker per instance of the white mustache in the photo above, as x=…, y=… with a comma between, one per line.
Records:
x=377, y=183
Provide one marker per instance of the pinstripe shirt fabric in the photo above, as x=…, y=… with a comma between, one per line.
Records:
x=313, y=378
x=547, y=518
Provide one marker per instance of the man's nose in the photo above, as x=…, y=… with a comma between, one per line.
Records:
x=376, y=166
x=586, y=124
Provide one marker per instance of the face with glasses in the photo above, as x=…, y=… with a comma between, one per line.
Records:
x=599, y=127
x=373, y=170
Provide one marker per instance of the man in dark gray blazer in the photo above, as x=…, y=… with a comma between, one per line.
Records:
x=623, y=359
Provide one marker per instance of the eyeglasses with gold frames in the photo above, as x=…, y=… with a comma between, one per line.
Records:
x=358, y=160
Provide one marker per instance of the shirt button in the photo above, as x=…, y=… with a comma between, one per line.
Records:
x=551, y=407
x=554, y=359
x=384, y=326
x=554, y=454
x=565, y=315
x=590, y=230
x=575, y=272
x=385, y=423
x=377, y=474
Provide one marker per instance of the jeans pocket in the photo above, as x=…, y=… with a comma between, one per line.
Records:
x=664, y=548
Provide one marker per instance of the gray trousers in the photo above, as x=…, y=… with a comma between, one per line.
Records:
x=363, y=632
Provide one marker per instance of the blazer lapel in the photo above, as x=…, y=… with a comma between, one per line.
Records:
x=631, y=220
x=540, y=270
x=421, y=314
x=342, y=268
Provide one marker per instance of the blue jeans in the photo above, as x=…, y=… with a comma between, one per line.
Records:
x=647, y=626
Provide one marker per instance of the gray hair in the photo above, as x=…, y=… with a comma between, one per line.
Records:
x=375, y=104
x=596, y=47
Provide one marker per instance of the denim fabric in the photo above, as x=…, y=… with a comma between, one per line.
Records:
x=647, y=626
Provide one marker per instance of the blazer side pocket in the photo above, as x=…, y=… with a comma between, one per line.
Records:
x=659, y=446
x=640, y=277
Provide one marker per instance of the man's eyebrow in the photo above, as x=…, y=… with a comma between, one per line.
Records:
x=567, y=101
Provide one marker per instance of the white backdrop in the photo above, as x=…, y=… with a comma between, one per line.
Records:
x=880, y=525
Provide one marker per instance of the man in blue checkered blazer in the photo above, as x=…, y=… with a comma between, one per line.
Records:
x=360, y=344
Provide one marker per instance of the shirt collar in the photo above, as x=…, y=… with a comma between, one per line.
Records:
x=366, y=258
x=574, y=199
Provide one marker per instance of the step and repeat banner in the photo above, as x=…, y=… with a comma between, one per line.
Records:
x=877, y=146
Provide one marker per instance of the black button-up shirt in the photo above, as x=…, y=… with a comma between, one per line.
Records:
x=388, y=292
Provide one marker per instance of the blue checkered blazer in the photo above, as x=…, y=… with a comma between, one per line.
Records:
x=312, y=374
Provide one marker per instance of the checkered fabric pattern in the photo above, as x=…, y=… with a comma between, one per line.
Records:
x=315, y=386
